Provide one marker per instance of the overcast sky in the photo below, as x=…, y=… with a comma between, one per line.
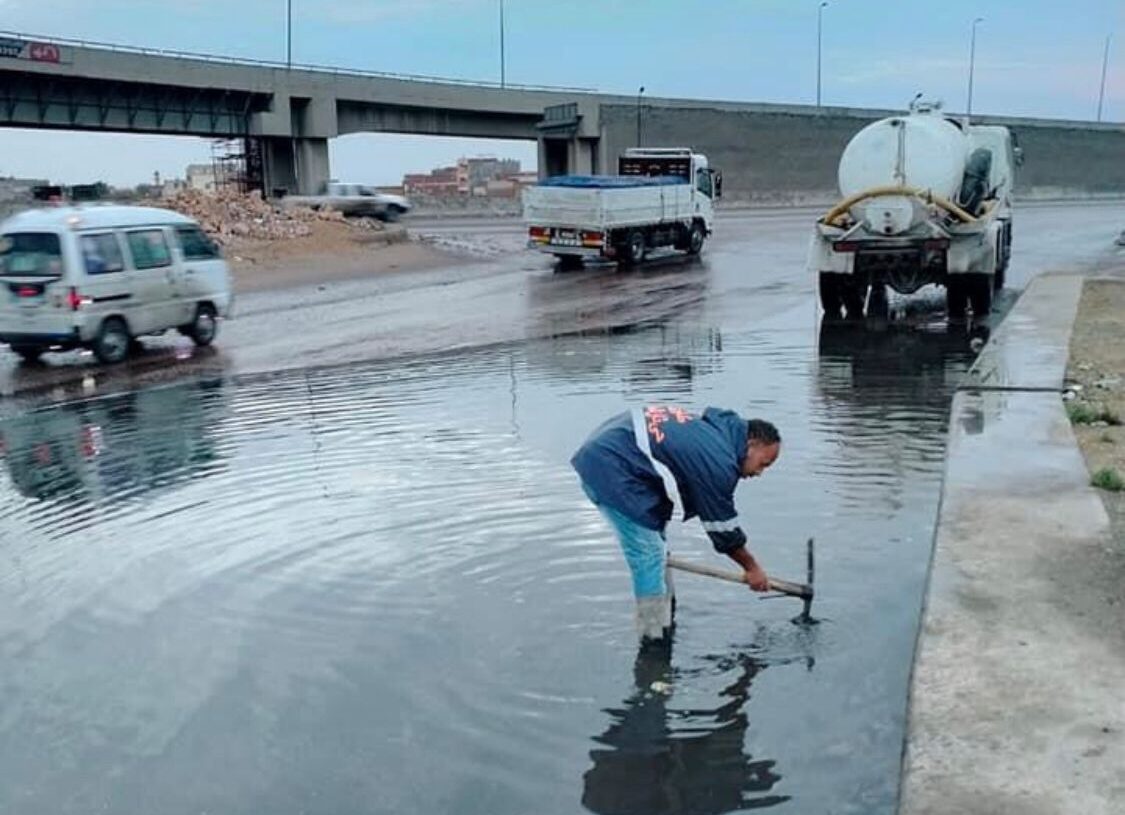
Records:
x=1034, y=58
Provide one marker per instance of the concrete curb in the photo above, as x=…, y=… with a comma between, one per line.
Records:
x=1015, y=700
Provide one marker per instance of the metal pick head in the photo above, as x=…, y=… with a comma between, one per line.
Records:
x=810, y=575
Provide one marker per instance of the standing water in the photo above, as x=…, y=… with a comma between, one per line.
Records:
x=380, y=589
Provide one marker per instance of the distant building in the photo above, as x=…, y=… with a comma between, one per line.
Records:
x=477, y=176
x=442, y=181
x=473, y=174
x=171, y=186
x=511, y=186
x=202, y=177
x=19, y=189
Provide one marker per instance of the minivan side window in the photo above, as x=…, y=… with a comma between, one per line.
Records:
x=102, y=253
x=195, y=244
x=149, y=249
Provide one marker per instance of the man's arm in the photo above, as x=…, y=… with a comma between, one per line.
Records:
x=728, y=538
x=756, y=576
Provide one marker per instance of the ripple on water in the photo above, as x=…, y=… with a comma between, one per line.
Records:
x=382, y=583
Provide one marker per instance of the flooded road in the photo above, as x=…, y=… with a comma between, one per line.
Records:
x=378, y=588
x=514, y=296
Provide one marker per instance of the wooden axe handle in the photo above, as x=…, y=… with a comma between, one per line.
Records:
x=783, y=586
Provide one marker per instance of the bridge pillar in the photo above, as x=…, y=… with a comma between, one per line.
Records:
x=313, y=169
x=570, y=140
x=294, y=166
x=279, y=166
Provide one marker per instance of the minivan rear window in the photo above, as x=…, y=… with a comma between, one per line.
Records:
x=31, y=254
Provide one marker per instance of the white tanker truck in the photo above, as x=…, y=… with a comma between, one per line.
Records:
x=926, y=199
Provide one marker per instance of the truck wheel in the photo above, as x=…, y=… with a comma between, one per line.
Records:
x=112, y=343
x=830, y=298
x=1001, y=264
x=956, y=298
x=877, y=304
x=854, y=295
x=392, y=214
x=980, y=295
x=696, y=238
x=633, y=251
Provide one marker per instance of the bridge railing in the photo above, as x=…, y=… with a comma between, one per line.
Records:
x=295, y=66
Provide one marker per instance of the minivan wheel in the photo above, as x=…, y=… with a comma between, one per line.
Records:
x=29, y=353
x=204, y=327
x=112, y=343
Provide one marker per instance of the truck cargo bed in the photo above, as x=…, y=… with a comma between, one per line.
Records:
x=606, y=203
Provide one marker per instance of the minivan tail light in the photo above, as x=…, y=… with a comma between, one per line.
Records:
x=76, y=300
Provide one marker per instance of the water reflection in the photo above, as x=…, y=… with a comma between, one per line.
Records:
x=99, y=450
x=857, y=360
x=595, y=299
x=656, y=759
x=671, y=357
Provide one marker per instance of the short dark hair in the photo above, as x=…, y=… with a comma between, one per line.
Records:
x=762, y=432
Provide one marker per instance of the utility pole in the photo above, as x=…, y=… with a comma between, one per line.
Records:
x=1105, y=66
x=288, y=33
x=819, y=27
x=640, y=92
x=502, y=66
x=972, y=65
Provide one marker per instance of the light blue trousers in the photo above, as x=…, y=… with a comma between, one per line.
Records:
x=645, y=550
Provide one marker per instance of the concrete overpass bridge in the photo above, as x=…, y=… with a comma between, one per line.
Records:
x=765, y=151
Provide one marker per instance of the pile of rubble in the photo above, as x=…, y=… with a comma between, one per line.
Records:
x=228, y=215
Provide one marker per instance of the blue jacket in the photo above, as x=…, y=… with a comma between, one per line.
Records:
x=644, y=462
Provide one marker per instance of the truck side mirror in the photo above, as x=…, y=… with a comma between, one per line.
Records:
x=718, y=183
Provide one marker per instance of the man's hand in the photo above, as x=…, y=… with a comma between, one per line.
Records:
x=757, y=579
x=755, y=575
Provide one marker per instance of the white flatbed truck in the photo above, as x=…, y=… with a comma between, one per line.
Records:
x=661, y=197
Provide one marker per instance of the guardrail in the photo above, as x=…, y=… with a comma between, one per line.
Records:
x=261, y=63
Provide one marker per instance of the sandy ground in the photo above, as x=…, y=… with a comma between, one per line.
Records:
x=332, y=253
x=1097, y=367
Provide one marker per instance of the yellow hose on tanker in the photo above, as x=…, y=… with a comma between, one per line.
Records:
x=925, y=195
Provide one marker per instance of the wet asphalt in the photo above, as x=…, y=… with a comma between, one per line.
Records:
x=340, y=564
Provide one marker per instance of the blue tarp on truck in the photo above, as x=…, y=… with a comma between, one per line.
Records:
x=608, y=182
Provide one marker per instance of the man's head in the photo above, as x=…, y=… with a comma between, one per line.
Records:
x=763, y=446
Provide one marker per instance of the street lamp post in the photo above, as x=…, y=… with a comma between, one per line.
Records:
x=288, y=33
x=1105, y=66
x=640, y=92
x=972, y=64
x=502, y=66
x=819, y=27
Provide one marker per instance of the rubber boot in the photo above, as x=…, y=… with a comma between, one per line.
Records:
x=654, y=617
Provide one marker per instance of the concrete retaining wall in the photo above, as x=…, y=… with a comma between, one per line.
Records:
x=789, y=155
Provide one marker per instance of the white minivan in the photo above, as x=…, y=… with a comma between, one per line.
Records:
x=99, y=276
